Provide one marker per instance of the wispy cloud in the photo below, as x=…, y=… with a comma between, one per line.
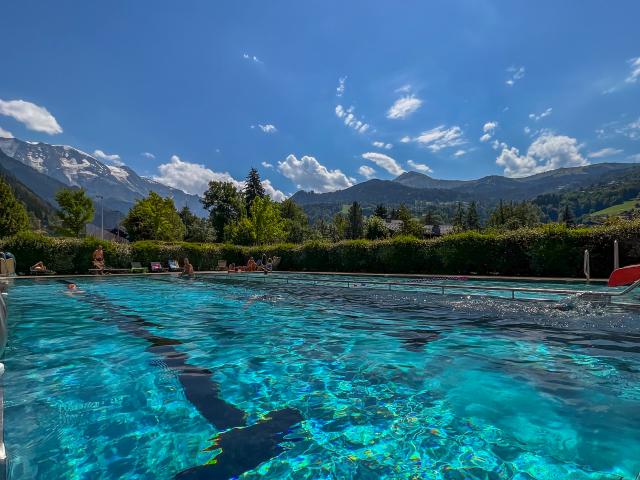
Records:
x=385, y=162
x=341, y=86
x=252, y=58
x=403, y=107
x=386, y=146
x=460, y=153
x=419, y=167
x=605, y=152
x=366, y=171
x=266, y=164
x=404, y=89
x=309, y=174
x=350, y=120
x=515, y=74
x=5, y=133
x=105, y=157
x=148, y=155
x=405, y=139
x=635, y=70
x=33, y=116
x=441, y=137
x=268, y=128
x=542, y=115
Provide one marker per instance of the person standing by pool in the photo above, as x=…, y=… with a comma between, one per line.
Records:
x=98, y=258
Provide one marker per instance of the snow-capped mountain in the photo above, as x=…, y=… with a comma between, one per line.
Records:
x=119, y=185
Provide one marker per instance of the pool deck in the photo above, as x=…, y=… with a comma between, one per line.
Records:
x=375, y=275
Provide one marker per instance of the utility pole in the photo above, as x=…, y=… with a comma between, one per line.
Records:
x=101, y=216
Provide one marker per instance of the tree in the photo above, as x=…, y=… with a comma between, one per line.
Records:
x=196, y=229
x=567, y=217
x=380, y=211
x=296, y=221
x=225, y=205
x=376, y=229
x=355, y=222
x=472, y=220
x=264, y=225
x=13, y=214
x=76, y=210
x=154, y=218
x=511, y=216
x=459, y=218
x=339, y=227
x=252, y=188
x=410, y=226
x=432, y=218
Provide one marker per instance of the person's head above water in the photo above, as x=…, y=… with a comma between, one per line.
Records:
x=71, y=286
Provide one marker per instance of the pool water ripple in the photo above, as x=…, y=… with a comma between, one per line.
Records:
x=388, y=384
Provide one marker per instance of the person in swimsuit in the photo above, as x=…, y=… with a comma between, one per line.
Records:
x=187, y=269
x=98, y=258
x=39, y=267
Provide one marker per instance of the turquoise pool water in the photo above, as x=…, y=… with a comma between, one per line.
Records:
x=156, y=377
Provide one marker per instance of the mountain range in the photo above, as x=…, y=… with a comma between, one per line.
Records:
x=44, y=169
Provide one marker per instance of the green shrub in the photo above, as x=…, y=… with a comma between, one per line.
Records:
x=548, y=250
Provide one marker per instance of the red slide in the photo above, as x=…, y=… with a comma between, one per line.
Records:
x=624, y=276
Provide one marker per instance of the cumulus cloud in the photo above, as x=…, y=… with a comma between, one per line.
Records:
x=485, y=138
x=384, y=161
x=403, y=107
x=268, y=128
x=5, y=133
x=547, y=152
x=194, y=178
x=366, y=171
x=420, y=167
x=460, y=153
x=267, y=165
x=309, y=174
x=386, y=146
x=604, y=152
x=148, y=155
x=405, y=139
x=515, y=74
x=33, y=116
x=540, y=116
x=341, y=86
x=105, y=157
x=489, y=127
x=441, y=137
x=350, y=120
x=634, y=76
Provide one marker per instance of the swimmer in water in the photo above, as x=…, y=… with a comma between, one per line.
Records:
x=73, y=288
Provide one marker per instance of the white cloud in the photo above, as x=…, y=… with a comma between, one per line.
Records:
x=350, y=120
x=267, y=165
x=460, y=153
x=515, y=74
x=404, y=89
x=309, y=174
x=635, y=70
x=105, y=157
x=632, y=130
x=268, y=128
x=441, y=137
x=253, y=58
x=403, y=107
x=489, y=127
x=366, y=171
x=527, y=130
x=5, y=133
x=384, y=161
x=547, y=152
x=405, y=139
x=341, y=86
x=634, y=158
x=148, y=155
x=420, y=167
x=546, y=113
x=485, y=138
x=194, y=178
x=34, y=117
x=386, y=146
x=605, y=152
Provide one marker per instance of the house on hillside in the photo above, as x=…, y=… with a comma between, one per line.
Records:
x=437, y=230
x=393, y=225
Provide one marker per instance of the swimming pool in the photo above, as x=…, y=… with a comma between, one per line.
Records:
x=138, y=376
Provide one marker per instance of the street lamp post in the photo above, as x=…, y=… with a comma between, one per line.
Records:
x=101, y=216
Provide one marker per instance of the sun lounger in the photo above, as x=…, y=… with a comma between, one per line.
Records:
x=174, y=266
x=40, y=271
x=136, y=267
x=156, y=267
x=222, y=265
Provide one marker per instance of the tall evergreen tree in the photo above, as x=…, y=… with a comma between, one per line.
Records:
x=567, y=217
x=252, y=189
x=13, y=215
x=355, y=219
x=380, y=211
x=472, y=220
x=459, y=218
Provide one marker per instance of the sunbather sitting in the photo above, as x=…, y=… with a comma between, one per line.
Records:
x=98, y=258
x=252, y=266
x=39, y=267
x=187, y=269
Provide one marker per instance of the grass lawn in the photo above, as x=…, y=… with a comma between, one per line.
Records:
x=627, y=206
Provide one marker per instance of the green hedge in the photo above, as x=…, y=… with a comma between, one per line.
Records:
x=550, y=250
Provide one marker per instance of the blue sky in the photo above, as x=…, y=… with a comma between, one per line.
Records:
x=189, y=91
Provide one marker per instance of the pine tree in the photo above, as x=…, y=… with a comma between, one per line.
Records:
x=458, y=218
x=13, y=215
x=567, y=217
x=355, y=228
x=252, y=188
x=472, y=220
x=380, y=211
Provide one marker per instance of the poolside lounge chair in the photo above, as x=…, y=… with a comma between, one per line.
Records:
x=156, y=267
x=136, y=267
x=39, y=271
x=7, y=264
x=222, y=265
x=174, y=266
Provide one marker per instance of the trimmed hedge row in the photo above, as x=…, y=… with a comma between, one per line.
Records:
x=550, y=250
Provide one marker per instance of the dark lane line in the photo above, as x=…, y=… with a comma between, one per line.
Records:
x=243, y=448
